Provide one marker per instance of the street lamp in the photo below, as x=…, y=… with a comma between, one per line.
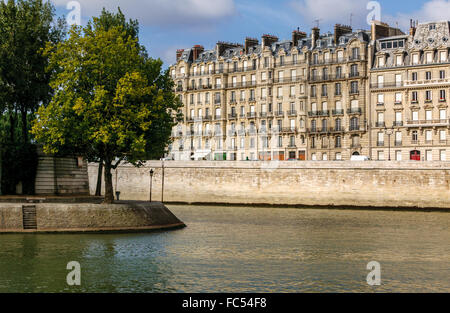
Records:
x=151, y=180
x=389, y=132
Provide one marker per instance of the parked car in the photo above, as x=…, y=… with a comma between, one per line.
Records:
x=359, y=158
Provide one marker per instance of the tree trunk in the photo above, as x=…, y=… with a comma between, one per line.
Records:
x=24, y=126
x=12, y=124
x=98, y=190
x=109, y=194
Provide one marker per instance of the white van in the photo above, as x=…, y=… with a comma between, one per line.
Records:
x=359, y=158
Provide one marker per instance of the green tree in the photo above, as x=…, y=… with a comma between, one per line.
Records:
x=112, y=102
x=25, y=28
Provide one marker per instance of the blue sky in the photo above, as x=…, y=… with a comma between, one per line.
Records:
x=167, y=25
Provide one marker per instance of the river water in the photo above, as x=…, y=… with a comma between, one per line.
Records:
x=242, y=249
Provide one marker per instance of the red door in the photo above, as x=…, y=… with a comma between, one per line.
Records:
x=415, y=155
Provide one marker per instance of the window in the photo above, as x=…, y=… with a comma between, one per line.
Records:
x=292, y=91
x=280, y=141
x=441, y=95
x=338, y=156
x=415, y=59
x=380, y=80
x=324, y=90
x=398, y=155
x=380, y=155
x=443, y=56
x=442, y=135
x=414, y=136
x=337, y=88
x=428, y=136
x=338, y=142
x=354, y=87
x=355, y=53
x=429, y=155
x=414, y=97
x=428, y=95
x=398, y=97
x=398, y=117
x=313, y=91
x=414, y=76
x=428, y=75
x=415, y=115
x=429, y=56
x=443, y=114
x=442, y=155
x=428, y=115
x=442, y=74
x=399, y=60
x=381, y=98
x=380, y=61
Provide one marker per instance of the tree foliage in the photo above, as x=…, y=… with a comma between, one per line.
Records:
x=25, y=28
x=112, y=102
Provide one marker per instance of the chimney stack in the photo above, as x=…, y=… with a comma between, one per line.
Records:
x=179, y=53
x=412, y=28
x=340, y=30
x=296, y=36
x=250, y=42
x=315, y=35
x=222, y=46
x=196, y=51
x=268, y=40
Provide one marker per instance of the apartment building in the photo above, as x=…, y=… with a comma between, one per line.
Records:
x=380, y=93
x=409, y=86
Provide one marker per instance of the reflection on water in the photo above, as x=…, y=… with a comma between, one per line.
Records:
x=242, y=250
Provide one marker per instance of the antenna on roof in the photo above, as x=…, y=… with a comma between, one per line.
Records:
x=317, y=21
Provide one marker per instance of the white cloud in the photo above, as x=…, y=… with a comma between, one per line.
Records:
x=332, y=11
x=434, y=10
x=161, y=12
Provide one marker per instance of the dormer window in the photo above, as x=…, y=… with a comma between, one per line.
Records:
x=432, y=26
x=380, y=61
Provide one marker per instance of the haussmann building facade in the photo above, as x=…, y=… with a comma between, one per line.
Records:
x=318, y=97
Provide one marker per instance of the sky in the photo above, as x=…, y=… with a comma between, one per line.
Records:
x=168, y=25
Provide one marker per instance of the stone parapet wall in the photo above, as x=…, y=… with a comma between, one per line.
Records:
x=362, y=184
x=71, y=217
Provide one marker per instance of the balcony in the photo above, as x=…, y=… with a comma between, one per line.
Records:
x=380, y=143
x=353, y=74
x=338, y=112
x=380, y=124
x=427, y=123
x=354, y=111
x=397, y=124
x=386, y=85
x=217, y=117
x=279, y=113
x=292, y=113
x=207, y=118
x=217, y=101
x=251, y=114
x=232, y=116
x=263, y=114
x=353, y=128
x=289, y=130
x=398, y=143
x=232, y=133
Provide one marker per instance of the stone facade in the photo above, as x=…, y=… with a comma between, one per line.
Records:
x=409, y=86
x=309, y=98
x=345, y=183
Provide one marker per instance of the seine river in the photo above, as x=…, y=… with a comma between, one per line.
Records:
x=242, y=249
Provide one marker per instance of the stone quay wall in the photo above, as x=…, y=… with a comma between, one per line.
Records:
x=386, y=184
x=84, y=217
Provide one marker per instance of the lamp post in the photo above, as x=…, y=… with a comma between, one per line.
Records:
x=117, y=191
x=389, y=132
x=151, y=180
x=162, y=188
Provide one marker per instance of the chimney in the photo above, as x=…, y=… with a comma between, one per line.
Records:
x=250, y=42
x=296, y=36
x=222, y=46
x=315, y=34
x=412, y=28
x=196, y=50
x=340, y=30
x=179, y=53
x=268, y=40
